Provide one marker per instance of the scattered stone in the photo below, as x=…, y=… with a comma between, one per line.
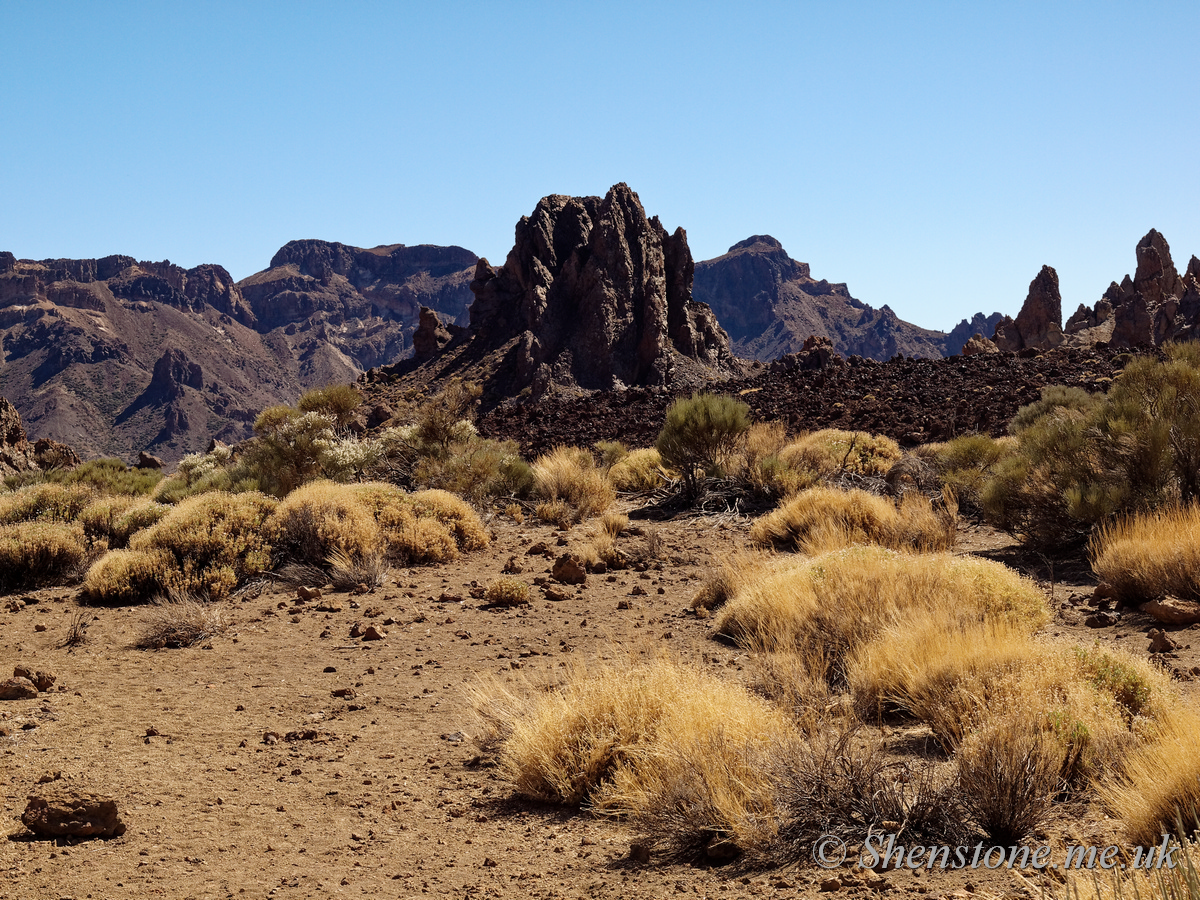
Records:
x=345, y=693
x=39, y=627
x=567, y=570
x=639, y=853
x=1100, y=620
x=356, y=630
x=270, y=737
x=1160, y=642
x=513, y=567
x=1173, y=611
x=447, y=597
x=556, y=594
x=828, y=885
x=489, y=862
x=71, y=813
x=329, y=669
x=304, y=594
x=371, y=633
x=638, y=591
x=150, y=461
x=977, y=344
x=49, y=777
x=329, y=606
x=624, y=604
x=18, y=689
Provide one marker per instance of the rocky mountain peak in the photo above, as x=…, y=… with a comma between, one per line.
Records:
x=1039, y=323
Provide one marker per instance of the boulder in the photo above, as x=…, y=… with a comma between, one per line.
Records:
x=1173, y=611
x=71, y=813
x=149, y=461
x=568, y=570
x=977, y=344
x=18, y=688
x=430, y=336
x=43, y=681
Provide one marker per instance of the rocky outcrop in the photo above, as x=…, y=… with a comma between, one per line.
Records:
x=1156, y=305
x=1038, y=325
x=17, y=454
x=978, y=344
x=770, y=304
x=430, y=336
x=978, y=325
x=596, y=294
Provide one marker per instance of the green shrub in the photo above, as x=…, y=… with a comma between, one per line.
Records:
x=440, y=420
x=611, y=453
x=700, y=434
x=109, y=476
x=967, y=462
x=337, y=401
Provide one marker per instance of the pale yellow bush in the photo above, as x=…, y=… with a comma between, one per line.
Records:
x=42, y=551
x=49, y=501
x=569, y=475
x=116, y=518
x=638, y=470
x=1144, y=557
x=122, y=577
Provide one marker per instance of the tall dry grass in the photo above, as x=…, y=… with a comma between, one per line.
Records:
x=568, y=482
x=825, y=518
x=1147, y=556
x=832, y=450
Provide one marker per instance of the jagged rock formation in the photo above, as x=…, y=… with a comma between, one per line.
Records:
x=597, y=295
x=115, y=356
x=978, y=344
x=17, y=454
x=961, y=334
x=430, y=336
x=1157, y=304
x=770, y=304
x=1038, y=325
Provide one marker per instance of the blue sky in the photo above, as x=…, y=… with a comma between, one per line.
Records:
x=933, y=156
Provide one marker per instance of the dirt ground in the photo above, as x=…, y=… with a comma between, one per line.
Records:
x=241, y=772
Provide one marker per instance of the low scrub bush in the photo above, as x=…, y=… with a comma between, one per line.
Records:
x=110, y=476
x=824, y=518
x=217, y=541
x=40, y=552
x=701, y=434
x=1144, y=557
x=48, y=501
x=507, y=592
x=831, y=450
x=478, y=469
x=115, y=519
x=830, y=605
x=338, y=401
x=127, y=577
x=568, y=477
x=965, y=463
x=729, y=574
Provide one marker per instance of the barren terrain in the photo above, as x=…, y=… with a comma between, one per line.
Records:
x=285, y=758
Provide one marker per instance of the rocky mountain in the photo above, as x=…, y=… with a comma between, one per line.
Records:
x=1039, y=323
x=593, y=295
x=770, y=304
x=114, y=356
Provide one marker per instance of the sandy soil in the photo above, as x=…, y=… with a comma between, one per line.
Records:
x=239, y=772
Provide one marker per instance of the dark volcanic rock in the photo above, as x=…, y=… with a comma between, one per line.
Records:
x=979, y=324
x=430, y=336
x=596, y=295
x=64, y=812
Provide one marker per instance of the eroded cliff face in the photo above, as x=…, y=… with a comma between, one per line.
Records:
x=770, y=304
x=596, y=295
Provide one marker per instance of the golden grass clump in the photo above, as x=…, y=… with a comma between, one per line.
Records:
x=116, y=518
x=320, y=518
x=39, y=552
x=568, y=475
x=1150, y=555
x=637, y=471
x=426, y=527
x=505, y=591
x=825, y=518
x=832, y=604
x=622, y=739
x=217, y=541
x=1156, y=786
x=832, y=450
x=49, y=500
x=729, y=574
x=123, y=577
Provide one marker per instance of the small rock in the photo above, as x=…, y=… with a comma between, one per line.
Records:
x=624, y=604
x=329, y=669
x=270, y=737
x=344, y=693
x=356, y=630
x=308, y=593
x=49, y=777
x=489, y=862
x=70, y=813
x=639, y=853
x=1100, y=620
x=1160, y=642
x=638, y=591
x=43, y=680
x=371, y=633
x=567, y=570
x=18, y=689
x=513, y=567
x=556, y=594
x=829, y=884
x=39, y=627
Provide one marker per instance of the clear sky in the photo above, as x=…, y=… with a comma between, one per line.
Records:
x=931, y=155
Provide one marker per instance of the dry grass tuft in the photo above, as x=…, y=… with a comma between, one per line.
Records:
x=1155, y=789
x=348, y=573
x=642, y=740
x=613, y=523
x=729, y=575
x=48, y=501
x=831, y=450
x=822, y=519
x=638, y=471
x=1147, y=556
x=180, y=621
x=568, y=475
x=830, y=605
x=40, y=552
